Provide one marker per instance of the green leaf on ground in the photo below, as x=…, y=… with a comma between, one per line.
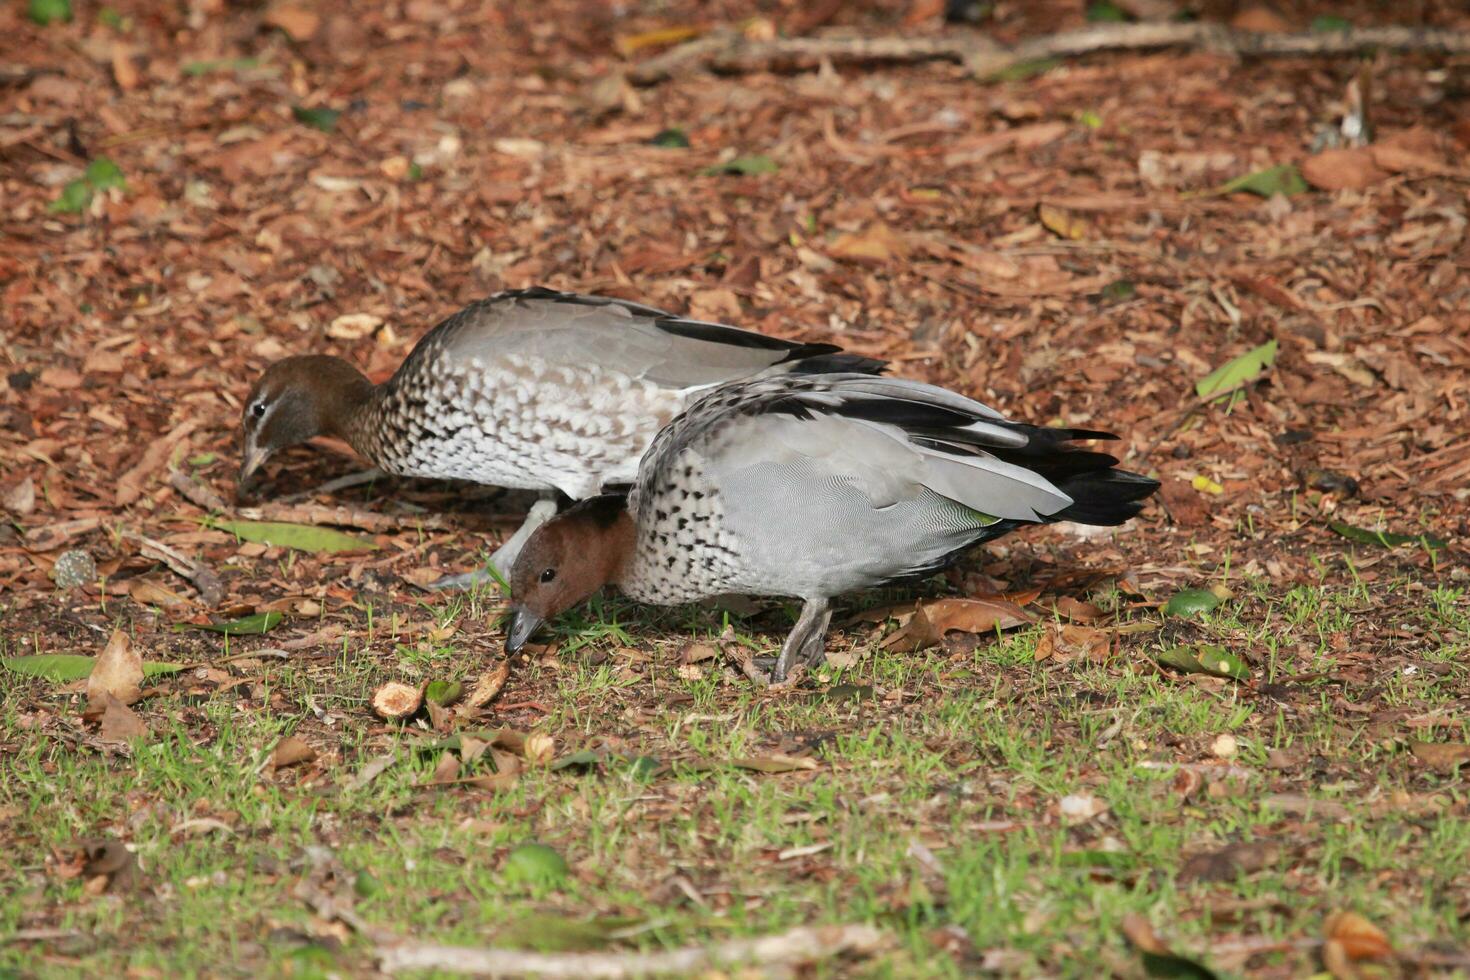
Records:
x=1206, y=659
x=1284, y=178
x=673, y=138
x=302, y=537
x=547, y=933
x=1327, y=23
x=1023, y=70
x=74, y=198
x=318, y=117
x=66, y=667
x=1105, y=12
x=45, y=12
x=443, y=693
x=247, y=626
x=535, y=864
x=102, y=173
x=1235, y=373
x=197, y=68
x=1385, y=539
x=744, y=166
x=1191, y=602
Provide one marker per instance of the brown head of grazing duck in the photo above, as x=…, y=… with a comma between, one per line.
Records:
x=296, y=399
x=566, y=561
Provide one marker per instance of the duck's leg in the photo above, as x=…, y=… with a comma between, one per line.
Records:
x=505, y=556
x=807, y=642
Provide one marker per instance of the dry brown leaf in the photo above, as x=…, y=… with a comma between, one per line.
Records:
x=931, y=620
x=1442, y=757
x=124, y=69
x=489, y=685
x=1062, y=223
x=150, y=593
x=877, y=243
x=1336, y=170
x=775, y=763
x=1261, y=19
x=110, y=867
x=291, y=751
x=539, y=748
x=299, y=23
x=118, y=671
x=119, y=722
x=20, y=498
x=1360, y=939
x=447, y=769
x=630, y=44
x=1065, y=643
x=1230, y=861
x=1076, y=609
x=694, y=653
x=1140, y=932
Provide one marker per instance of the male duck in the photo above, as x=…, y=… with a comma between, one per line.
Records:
x=532, y=389
x=812, y=487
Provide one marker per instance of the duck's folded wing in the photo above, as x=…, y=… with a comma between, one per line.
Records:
x=808, y=458
x=627, y=338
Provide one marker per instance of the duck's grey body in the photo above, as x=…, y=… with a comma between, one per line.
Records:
x=816, y=486
x=541, y=390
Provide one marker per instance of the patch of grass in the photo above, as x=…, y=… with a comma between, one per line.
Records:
x=964, y=756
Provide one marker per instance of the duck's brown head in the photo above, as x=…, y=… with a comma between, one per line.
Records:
x=295, y=399
x=565, y=561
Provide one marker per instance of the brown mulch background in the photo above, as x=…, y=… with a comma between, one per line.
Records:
x=487, y=146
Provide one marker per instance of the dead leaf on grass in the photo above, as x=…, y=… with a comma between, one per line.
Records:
x=489, y=685
x=291, y=751
x=1064, y=643
x=1230, y=861
x=1442, y=757
x=118, y=671
x=119, y=722
x=1359, y=938
x=931, y=620
x=1158, y=959
x=775, y=763
x=110, y=867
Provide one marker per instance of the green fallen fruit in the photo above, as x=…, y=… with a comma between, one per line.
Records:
x=535, y=864
x=1191, y=602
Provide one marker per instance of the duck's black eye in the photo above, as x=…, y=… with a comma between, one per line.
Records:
x=548, y=575
x=258, y=410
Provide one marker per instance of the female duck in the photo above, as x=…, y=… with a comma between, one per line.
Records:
x=530, y=389
x=812, y=487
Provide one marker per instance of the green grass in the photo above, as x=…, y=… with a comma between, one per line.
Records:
x=968, y=754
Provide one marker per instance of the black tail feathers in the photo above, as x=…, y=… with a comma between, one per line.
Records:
x=837, y=363
x=1105, y=497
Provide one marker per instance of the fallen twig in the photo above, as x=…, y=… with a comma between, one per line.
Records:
x=211, y=589
x=802, y=945
x=195, y=492
x=732, y=52
x=345, y=516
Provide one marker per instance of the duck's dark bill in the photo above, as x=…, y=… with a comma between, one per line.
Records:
x=522, y=624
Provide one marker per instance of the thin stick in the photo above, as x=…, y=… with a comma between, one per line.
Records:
x=802, y=945
x=984, y=59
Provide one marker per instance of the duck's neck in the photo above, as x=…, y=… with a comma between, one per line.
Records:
x=346, y=403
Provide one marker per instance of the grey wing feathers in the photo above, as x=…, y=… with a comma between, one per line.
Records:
x=617, y=335
x=891, y=437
